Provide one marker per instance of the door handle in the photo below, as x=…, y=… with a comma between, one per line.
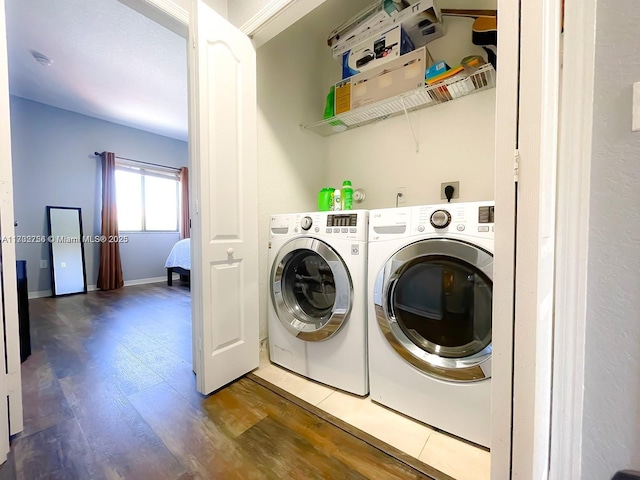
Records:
x=230, y=251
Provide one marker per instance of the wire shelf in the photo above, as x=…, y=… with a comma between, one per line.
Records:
x=482, y=79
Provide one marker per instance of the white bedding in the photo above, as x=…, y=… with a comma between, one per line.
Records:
x=180, y=255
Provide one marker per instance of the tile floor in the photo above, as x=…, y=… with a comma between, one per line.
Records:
x=448, y=454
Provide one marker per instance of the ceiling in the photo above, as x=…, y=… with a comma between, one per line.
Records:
x=109, y=62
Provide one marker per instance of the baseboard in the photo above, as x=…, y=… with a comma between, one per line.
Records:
x=144, y=281
x=92, y=288
x=40, y=294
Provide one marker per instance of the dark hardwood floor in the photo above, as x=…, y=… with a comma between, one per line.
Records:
x=109, y=393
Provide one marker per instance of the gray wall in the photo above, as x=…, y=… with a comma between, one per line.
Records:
x=53, y=164
x=611, y=426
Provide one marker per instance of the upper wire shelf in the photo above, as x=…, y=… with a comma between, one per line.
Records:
x=428, y=96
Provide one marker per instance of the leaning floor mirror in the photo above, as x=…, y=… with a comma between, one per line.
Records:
x=66, y=251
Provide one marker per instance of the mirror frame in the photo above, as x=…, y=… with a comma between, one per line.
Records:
x=51, y=259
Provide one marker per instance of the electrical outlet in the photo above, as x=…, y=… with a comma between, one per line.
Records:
x=43, y=264
x=456, y=189
x=401, y=195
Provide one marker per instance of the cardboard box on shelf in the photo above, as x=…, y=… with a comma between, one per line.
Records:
x=421, y=20
x=349, y=42
x=362, y=21
x=375, y=51
x=343, y=96
x=399, y=76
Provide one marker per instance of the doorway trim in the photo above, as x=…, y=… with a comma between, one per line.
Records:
x=10, y=375
x=164, y=12
x=574, y=173
x=275, y=17
x=535, y=250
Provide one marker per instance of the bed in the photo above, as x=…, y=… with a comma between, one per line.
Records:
x=179, y=261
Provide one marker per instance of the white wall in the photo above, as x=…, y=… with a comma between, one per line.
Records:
x=291, y=162
x=611, y=424
x=456, y=144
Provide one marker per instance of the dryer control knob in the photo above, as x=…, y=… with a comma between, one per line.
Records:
x=306, y=223
x=421, y=228
x=440, y=219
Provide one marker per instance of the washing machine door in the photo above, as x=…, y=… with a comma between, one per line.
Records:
x=433, y=301
x=311, y=289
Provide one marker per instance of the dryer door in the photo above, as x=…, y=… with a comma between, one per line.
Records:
x=311, y=289
x=433, y=303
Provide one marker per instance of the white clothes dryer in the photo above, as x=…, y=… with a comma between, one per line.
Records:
x=430, y=300
x=317, y=314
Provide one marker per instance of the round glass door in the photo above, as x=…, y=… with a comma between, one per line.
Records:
x=311, y=289
x=435, y=309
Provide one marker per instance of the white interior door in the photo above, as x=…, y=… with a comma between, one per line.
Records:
x=224, y=202
x=10, y=379
x=505, y=238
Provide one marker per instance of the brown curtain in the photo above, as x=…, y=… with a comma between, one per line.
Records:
x=185, y=224
x=110, y=272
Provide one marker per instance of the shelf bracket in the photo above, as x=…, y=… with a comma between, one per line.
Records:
x=413, y=132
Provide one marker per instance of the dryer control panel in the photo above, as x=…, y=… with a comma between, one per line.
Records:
x=469, y=219
x=472, y=219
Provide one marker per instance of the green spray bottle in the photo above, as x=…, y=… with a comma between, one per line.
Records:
x=347, y=195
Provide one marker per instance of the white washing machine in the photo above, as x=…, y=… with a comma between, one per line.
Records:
x=430, y=301
x=317, y=316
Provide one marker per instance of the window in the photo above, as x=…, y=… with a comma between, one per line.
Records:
x=148, y=199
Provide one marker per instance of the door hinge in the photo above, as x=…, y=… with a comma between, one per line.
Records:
x=197, y=209
x=193, y=43
x=516, y=165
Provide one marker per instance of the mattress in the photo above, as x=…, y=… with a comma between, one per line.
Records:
x=180, y=255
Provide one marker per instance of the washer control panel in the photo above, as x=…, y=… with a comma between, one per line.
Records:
x=351, y=224
x=345, y=223
x=342, y=220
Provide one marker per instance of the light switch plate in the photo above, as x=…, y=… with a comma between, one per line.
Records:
x=635, y=123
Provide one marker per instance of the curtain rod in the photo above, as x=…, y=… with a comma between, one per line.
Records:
x=140, y=161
